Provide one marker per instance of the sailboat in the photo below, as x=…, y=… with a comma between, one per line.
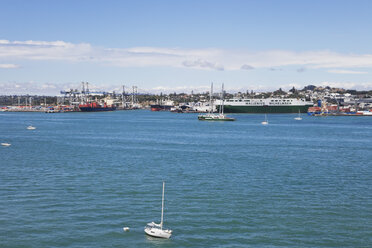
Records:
x=299, y=116
x=156, y=230
x=216, y=117
x=203, y=117
x=31, y=128
x=266, y=122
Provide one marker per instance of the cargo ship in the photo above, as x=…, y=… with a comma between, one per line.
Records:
x=162, y=106
x=95, y=107
x=159, y=107
x=268, y=105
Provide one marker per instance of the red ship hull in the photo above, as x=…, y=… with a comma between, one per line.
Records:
x=95, y=107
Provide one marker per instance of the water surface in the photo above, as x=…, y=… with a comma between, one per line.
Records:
x=79, y=178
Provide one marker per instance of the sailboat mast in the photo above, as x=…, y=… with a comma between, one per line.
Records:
x=162, y=207
x=222, y=103
x=210, y=98
x=219, y=109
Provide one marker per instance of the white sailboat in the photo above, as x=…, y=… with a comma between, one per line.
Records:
x=299, y=116
x=266, y=122
x=31, y=128
x=156, y=230
x=210, y=114
x=216, y=117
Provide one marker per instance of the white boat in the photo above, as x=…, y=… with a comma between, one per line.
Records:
x=6, y=144
x=369, y=113
x=215, y=117
x=265, y=122
x=31, y=128
x=299, y=116
x=156, y=230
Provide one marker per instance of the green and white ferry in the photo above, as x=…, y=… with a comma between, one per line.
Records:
x=268, y=105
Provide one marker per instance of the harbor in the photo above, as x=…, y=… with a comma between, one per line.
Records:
x=316, y=101
x=186, y=124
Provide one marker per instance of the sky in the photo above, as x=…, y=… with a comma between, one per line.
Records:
x=179, y=46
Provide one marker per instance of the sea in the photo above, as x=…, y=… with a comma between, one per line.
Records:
x=79, y=178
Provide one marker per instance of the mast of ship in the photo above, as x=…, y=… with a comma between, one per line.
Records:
x=123, y=97
x=222, y=100
x=210, y=98
x=87, y=91
x=82, y=93
x=133, y=96
x=162, y=207
x=220, y=108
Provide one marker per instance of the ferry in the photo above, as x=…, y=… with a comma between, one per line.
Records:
x=268, y=105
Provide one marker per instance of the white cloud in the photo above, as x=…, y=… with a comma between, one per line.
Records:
x=216, y=59
x=32, y=88
x=203, y=64
x=347, y=72
x=348, y=85
x=43, y=50
x=8, y=66
x=55, y=88
x=246, y=67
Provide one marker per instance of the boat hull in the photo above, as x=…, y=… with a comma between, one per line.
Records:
x=266, y=109
x=213, y=119
x=90, y=109
x=158, y=107
x=158, y=233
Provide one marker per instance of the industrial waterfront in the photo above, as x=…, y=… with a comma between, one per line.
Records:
x=316, y=101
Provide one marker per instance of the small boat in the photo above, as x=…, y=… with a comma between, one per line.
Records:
x=6, y=144
x=215, y=117
x=156, y=230
x=31, y=128
x=265, y=122
x=299, y=116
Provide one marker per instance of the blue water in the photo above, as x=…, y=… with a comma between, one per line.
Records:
x=79, y=178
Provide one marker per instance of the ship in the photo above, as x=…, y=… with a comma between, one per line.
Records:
x=215, y=117
x=268, y=105
x=162, y=106
x=95, y=107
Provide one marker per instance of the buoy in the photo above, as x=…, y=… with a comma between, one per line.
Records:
x=126, y=229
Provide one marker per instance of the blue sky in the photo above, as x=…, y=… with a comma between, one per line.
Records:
x=46, y=46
